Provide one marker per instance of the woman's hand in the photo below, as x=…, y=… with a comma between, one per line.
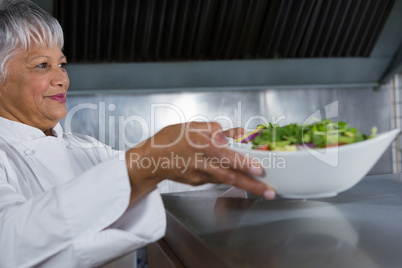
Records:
x=194, y=153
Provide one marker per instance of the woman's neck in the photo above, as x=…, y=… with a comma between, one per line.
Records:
x=48, y=132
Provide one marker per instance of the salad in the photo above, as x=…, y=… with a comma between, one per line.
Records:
x=293, y=137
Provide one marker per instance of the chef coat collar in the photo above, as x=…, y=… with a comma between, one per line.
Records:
x=18, y=131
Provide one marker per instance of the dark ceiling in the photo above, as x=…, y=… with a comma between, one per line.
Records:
x=192, y=30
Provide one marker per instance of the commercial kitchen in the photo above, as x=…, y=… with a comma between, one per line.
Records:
x=138, y=66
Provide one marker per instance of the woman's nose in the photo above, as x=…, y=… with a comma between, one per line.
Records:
x=59, y=77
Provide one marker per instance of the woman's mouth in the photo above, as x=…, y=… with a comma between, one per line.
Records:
x=58, y=97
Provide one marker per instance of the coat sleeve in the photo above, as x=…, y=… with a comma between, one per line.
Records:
x=83, y=223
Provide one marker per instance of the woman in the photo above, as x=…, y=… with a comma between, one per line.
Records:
x=62, y=203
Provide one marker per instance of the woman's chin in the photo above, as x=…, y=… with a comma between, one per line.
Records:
x=57, y=115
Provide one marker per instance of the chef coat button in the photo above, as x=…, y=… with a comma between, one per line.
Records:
x=69, y=146
x=29, y=152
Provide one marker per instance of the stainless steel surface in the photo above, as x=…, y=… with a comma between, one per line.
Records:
x=358, y=228
x=122, y=120
x=396, y=122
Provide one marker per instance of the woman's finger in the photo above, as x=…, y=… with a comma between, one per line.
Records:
x=222, y=156
x=233, y=160
x=220, y=174
x=235, y=133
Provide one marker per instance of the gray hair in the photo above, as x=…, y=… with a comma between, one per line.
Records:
x=22, y=25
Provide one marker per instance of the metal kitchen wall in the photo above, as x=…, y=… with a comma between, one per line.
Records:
x=123, y=118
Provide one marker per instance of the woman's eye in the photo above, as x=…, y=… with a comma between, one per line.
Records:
x=42, y=65
x=63, y=65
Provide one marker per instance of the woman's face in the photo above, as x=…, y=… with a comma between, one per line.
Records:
x=34, y=92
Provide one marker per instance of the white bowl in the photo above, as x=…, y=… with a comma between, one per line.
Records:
x=319, y=173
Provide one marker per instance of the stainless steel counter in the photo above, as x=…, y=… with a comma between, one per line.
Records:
x=224, y=227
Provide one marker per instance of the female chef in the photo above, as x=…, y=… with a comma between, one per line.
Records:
x=63, y=204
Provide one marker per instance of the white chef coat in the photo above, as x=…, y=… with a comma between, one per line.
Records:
x=64, y=199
